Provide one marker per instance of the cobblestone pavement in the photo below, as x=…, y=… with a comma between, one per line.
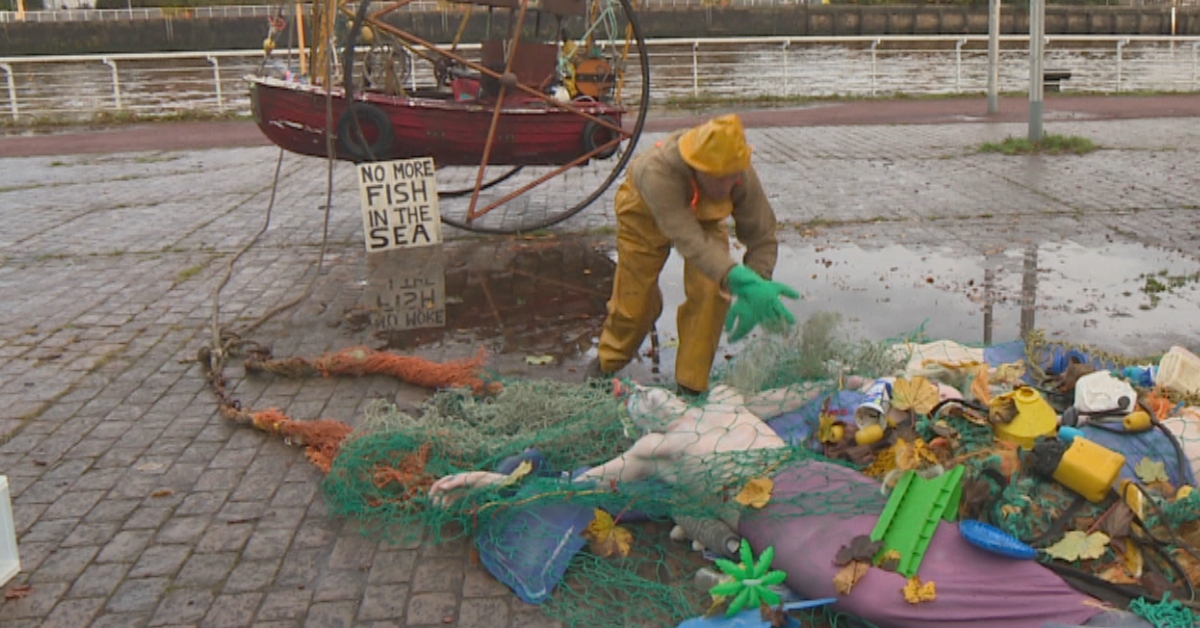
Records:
x=136, y=504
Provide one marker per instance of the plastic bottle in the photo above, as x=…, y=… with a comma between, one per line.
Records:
x=1179, y=371
x=1034, y=418
x=875, y=406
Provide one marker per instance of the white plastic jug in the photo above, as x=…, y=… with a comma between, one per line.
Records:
x=1179, y=371
x=1100, y=392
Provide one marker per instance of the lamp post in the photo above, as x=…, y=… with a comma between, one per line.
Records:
x=1037, y=37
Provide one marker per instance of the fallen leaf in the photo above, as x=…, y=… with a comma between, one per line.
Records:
x=1150, y=471
x=776, y=617
x=163, y=492
x=845, y=579
x=915, y=394
x=1116, y=524
x=1155, y=583
x=1133, y=558
x=756, y=493
x=1077, y=545
x=915, y=592
x=521, y=471
x=17, y=592
x=860, y=548
x=607, y=538
x=889, y=560
x=825, y=428
x=539, y=360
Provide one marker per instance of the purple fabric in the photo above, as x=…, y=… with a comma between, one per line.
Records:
x=975, y=589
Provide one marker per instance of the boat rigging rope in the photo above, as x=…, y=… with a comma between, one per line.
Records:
x=226, y=342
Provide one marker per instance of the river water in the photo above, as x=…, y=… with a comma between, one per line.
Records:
x=86, y=88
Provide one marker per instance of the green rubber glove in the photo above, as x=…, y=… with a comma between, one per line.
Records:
x=757, y=302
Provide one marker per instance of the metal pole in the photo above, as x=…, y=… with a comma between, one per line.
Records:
x=786, y=43
x=116, y=81
x=412, y=71
x=695, y=69
x=958, y=65
x=12, y=86
x=993, y=56
x=217, y=81
x=874, y=44
x=1120, y=45
x=1037, y=28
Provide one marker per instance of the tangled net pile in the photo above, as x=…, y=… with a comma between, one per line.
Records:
x=385, y=468
x=543, y=499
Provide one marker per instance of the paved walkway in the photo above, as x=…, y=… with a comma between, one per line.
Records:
x=136, y=504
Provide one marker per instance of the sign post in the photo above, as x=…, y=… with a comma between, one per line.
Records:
x=399, y=204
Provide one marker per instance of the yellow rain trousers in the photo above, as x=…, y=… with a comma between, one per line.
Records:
x=636, y=301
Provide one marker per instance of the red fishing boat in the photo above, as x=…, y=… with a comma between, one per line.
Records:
x=525, y=131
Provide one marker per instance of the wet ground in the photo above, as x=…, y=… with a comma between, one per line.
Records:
x=543, y=298
x=135, y=503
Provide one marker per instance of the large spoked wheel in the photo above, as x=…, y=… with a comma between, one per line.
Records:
x=537, y=197
x=609, y=80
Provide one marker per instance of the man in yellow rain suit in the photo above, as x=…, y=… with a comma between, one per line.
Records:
x=681, y=193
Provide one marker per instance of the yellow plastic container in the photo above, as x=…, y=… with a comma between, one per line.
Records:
x=1034, y=418
x=1089, y=469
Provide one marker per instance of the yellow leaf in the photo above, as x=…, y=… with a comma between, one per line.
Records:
x=521, y=471
x=889, y=556
x=980, y=385
x=756, y=493
x=915, y=394
x=825, y=428
x=849, y=576
x=1076, y=545
x=607, y=538
x=1150, y=471
x=1133, y=558
x=539, y=360
x=915, y=592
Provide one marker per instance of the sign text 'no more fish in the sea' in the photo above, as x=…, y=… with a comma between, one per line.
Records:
x=400, y=204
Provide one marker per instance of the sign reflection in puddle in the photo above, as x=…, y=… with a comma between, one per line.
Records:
x=535, y=296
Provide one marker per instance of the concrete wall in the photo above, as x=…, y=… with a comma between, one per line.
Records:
x=179, y=34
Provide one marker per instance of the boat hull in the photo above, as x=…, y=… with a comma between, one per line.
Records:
x=528, y=131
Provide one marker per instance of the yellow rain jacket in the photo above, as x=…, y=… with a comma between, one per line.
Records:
x=659, y=205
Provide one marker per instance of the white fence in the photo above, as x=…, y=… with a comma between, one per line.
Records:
x=87, y=87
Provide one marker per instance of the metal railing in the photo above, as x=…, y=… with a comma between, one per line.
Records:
x=75, y=13
x=39, y=89
x=252, y=10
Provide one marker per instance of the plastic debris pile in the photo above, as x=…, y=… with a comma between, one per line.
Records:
x=594, y=502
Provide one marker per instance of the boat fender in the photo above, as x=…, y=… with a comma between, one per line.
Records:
x=351, y=143
x=596, y=135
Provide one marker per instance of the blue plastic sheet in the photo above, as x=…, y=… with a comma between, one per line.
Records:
x=799, y=427
x=529, y=547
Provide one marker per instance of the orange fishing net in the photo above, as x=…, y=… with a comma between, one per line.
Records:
x=321, y=439
x=362, y=360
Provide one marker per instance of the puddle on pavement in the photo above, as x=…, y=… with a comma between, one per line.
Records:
x=546, y=296
x=535, y=296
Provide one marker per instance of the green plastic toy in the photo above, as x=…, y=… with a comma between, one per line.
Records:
x=912, y=514
x=751, y=580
